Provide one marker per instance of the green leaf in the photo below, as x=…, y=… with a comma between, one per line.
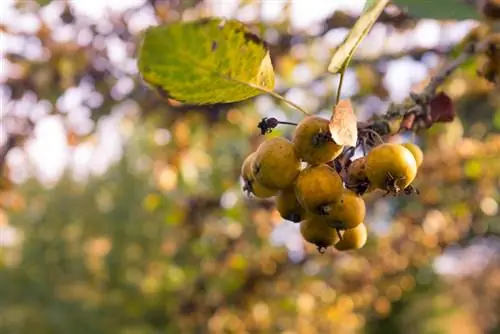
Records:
x=439, y=10
x=344, y=52
x=369, y=4
x=206, y=61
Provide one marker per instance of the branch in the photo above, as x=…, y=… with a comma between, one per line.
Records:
x=426, y=108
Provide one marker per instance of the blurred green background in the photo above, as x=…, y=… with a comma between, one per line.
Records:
x=123, y=213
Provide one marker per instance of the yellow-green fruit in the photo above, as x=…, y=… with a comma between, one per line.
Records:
x=246, y=167
x=416, y=151
x=317, y=186
x=349, y=211
x=251, y=185
x=390, y=167
x=275, y=164
x=288, y=206
x=356, y=177
x=312, y=141
x=354, y=238
x=357, y=171
x=316, y=231
x=260, y=191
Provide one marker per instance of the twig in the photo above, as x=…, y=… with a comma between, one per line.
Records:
x=420, y=102
x=470, y=51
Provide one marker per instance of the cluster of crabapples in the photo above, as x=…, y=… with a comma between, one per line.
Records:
x=309, y=189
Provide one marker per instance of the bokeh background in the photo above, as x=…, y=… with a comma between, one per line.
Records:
x=123, y=213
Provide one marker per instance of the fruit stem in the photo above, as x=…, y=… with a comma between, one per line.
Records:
x=282, y=98
x=287, y=123
x=338, y=233
x=267, y=124
x=265, y=90
x=339, y=88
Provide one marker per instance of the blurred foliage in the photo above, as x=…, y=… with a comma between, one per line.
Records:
x=164, y=241
x=443, y=10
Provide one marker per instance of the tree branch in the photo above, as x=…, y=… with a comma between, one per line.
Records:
x=416, y=112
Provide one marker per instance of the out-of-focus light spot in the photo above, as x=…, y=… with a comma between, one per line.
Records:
x=457, y=87
x=4, y=219
x=17, y=160
x=51, y=13
x=271, y=11
x=401, y=75
x=489, y=206
x=311, y=268
x=433, y=222
x=454, y=32
x=109, y=143
x=11, y=43
x=297, y=96
x=143, y=164
x=162, y=137
x=260, y=312
x=426, y=34
x=167, y=178
x=33, y=49
x=64, y=33
x=95, y=100
x=305, y=303
x=98, y=246
x=224, y=8
x=234, y=230
x=116, y=49
x=334, y=37
x=181, y=133
x=302, y=73
x=175, y=275
x=234, y=116
x=473, y=169
x=382, y=306
x=151, y=202
x=100, y=9
x=228, y=199
x=40, y=110
x=122, y=88
x=430, y=59
x=407, y=283
x=80, y=158
x=84, y=37
x=27, y=23
x=49, y=163
x=376, y=40
x=328, y=296
x=71, y=99
x=104, y=201
x=9, y=236
x=141, y=20
x=393, y=292
x=305, y=13
x=248, y=13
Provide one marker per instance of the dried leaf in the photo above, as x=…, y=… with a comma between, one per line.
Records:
x=344, y=124
x=442, y=109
